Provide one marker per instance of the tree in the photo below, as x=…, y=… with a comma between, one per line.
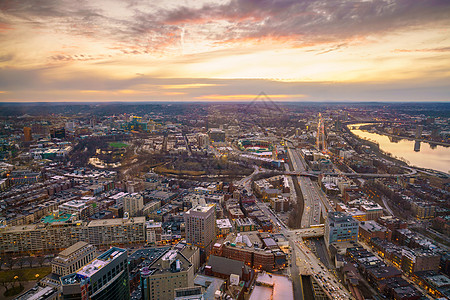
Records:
x=8, y=261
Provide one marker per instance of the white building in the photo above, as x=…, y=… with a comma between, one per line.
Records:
x=133, y=204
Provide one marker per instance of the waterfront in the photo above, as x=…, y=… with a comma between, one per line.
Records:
x=436, y=157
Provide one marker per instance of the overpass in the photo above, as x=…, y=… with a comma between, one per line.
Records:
x=364, y=175
x=308, y=232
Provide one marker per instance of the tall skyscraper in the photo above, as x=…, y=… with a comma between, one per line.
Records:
x=106, y=277
x=201, y=226
x=27, y=134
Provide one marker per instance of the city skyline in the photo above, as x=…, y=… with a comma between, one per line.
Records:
x=224, y=51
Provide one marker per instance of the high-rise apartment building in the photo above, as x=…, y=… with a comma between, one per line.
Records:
x=106, y=277
x=27, y=134
x=133, y=204
x=340, y=227
x=51, y=237
x=201, y=226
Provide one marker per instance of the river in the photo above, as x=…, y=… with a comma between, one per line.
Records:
x=419, y=154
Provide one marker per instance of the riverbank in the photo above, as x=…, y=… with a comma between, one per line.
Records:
x=416, y=154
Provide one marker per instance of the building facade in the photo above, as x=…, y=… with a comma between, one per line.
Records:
x=73, y=258
x=164, y=276
x=104, y=278
x=201, y=226
x=133, y=204
x=340, y=227
x=61, y=235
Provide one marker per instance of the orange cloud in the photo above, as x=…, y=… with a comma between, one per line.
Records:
x=174, y=93
x=187, y=86
x=246, y=97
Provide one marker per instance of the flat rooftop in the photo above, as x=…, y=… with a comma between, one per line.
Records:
x=51, y=219
x=202, y=208
x=282, y=286
x=116, y=221
x=223, y=223
x=75, y=247
x=101, y=261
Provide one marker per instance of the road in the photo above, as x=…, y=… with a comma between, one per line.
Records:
x=326, y=280
x=313, y=198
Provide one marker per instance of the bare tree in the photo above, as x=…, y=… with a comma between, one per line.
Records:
x=8, y=261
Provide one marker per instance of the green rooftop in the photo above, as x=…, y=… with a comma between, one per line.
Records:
x=52, y=219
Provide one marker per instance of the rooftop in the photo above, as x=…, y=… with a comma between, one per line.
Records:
x=93, y=267
x=371, y=226
x=52, y=218
x=223, y=223
x=75, y=247
x=340, y=217
x=282, y=286
x=211, y=284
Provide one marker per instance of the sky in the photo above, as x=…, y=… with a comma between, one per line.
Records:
x=179, y=50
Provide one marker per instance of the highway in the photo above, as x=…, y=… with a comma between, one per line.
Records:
x=303, y=262
x=327, y=281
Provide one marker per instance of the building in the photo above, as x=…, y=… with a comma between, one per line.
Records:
x=189, y=293
x=434, y=283
x=58, y=133
x=40, y=292
x=27, y=137
x=151, y=207
x=419, y=260
x=223, y=267
x=73, y=258
x=373, y=211
x=201, y=226
x=371, y=229
x=224, y=227
x=117, y=232
x=78, y=207
x=279, y=203
x=245, y=224
x=423, y=210
x=58, y=235
x=162, y=278
x=23, y=177
x=216, y=135
x=133, y=204
x=248, y=247
x=106, y=277
x=281, y=287
x=340, y=227
x=153, y=231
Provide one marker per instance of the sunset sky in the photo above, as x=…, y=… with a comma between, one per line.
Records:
x=178, y=50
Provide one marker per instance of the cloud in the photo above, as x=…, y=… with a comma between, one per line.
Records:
x=440, y=49
x=311, y=20
x=141, y=27
x=247, y=97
